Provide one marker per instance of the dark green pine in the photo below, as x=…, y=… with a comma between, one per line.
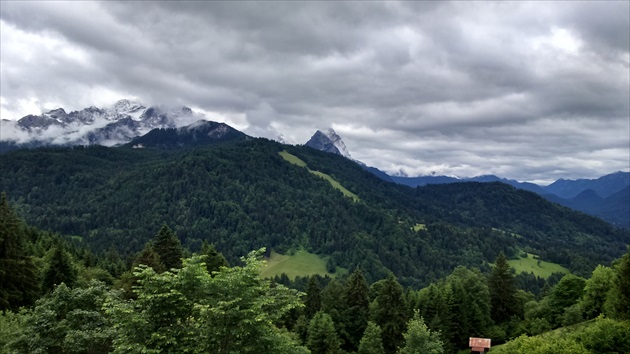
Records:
x=169, y=248
x=215, y=259
x=503, y=301
x=357, y=300
x=60, y=269
x=18, y=275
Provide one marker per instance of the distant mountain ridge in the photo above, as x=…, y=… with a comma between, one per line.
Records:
x=607, y=197
x=108, y=126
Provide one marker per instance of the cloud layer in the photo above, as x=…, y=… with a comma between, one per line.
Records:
x=526, y=90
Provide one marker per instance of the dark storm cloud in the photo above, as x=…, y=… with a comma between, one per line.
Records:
x=527, y=90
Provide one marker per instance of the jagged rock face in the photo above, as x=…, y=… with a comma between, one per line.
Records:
x=321, y=142
x=113, y=125
x=328, y=142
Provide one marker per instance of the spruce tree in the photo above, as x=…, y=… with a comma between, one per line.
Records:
x=356, y=297
x=371, y=343
x=388, y=311
x=18, y=275
x=331, y=304
x=60, y=269
x=322, y=337
x=503, y=301
x=312, y=300
x=214, y=259
x=169, y=248
x=150, y=258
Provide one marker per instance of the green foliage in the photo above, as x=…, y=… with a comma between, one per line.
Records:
x=313, y=299
x=388, y=311
x=596, y=291
x=169, y=248
x=333, y=305
x=602, y=335
x=371, y=342
x=538, y=345
x=66, y=321
x=214, y=259
x=250, y=197
x=60, y=269
x=470, y=305
x=18, y=275
x=419, y=339
x=435, y=304
x=11, y=326
x=605, y=336
x=322, y=337
x=503, y=300
x=620, y=294
x=357, y=308
x=188, y=310
x=564, y=295
x=149, y=257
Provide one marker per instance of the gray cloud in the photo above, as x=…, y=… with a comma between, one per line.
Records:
x=526, y=90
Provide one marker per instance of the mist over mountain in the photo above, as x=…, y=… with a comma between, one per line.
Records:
x=108, y=126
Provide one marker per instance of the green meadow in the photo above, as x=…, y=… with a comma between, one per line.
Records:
x=297, y=161
x=300, y=263
x=540, y=268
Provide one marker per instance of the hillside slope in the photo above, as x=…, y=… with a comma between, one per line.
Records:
x=244, y=195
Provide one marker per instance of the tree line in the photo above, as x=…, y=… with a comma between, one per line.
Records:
x=58, y=297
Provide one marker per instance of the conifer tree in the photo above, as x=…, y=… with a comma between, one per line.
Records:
x=331, y=304
x=169, y=248
x=150, y=258
x=371, y=343
x=322, y=337
x=18, y=275
x=356, y=297
x=214, y=259
x=503, y=301
x=621, y=289
x=388, y=311
x=60, y=269
x=313, y=300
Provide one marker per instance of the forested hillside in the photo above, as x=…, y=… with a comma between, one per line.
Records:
x=242, y=196
x=57, y=296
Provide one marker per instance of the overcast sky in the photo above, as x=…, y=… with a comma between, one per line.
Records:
x=526, y=90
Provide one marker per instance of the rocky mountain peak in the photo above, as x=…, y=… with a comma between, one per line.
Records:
x=329, y=142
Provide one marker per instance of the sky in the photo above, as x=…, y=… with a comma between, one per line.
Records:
x=533, y=91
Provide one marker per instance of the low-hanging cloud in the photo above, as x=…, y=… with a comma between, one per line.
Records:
x=526, y=90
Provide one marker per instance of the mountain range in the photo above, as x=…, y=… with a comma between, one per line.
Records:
x=242, y=193
x=131, y=123
x=607, y=197
x=109, y=126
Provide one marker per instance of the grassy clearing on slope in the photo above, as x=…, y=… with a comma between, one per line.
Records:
x=301, y=263
x=540, y=268
x=292, y=158
x=336, y=185
x=297, y=161
x=418, y=227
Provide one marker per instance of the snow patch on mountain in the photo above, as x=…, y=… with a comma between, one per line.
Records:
x=113, y=125
x=329, y=141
